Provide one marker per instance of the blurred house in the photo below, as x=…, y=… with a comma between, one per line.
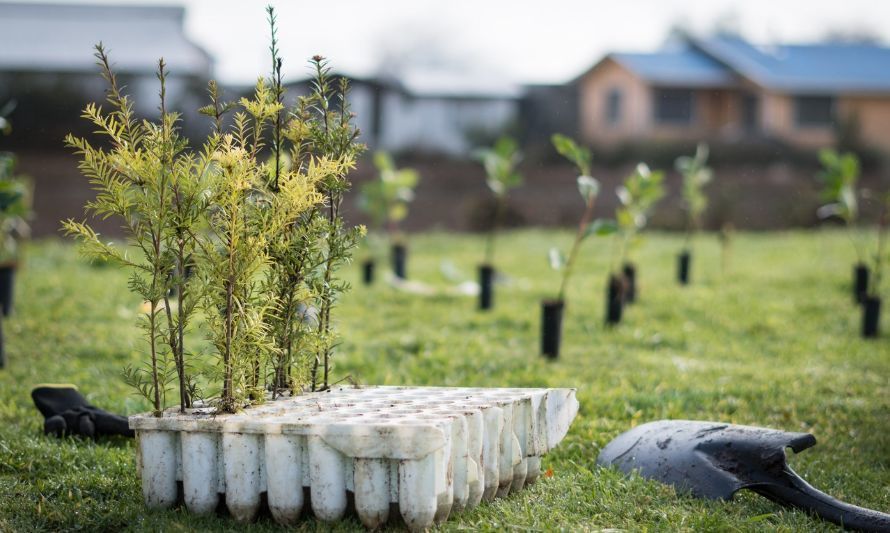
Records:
x=429, y=112
x=725, y=88
x=47, y=63
x=47, y=67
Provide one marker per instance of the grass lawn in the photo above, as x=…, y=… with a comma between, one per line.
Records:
x=774, y=342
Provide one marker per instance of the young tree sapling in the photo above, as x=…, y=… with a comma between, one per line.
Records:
x=386, y=201
x=293, y=256
x=696, y=174
x=331, y=136
x=637, y=196
x=500, y=163
x=15, y=212
x=871, y=304
x=501, y=176
x=588, y=187
x=839, y=176
x=149, y=180
x=256, y=211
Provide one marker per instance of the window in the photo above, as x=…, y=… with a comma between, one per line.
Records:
x=813, y=111
x=613, y=106
x=674, y=106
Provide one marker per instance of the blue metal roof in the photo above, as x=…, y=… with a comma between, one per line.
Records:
x=677, y=66
x=721, y=61
x=816, y=68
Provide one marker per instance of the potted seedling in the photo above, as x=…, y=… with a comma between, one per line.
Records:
x=696, y=174
x=839, y=175
x=386, y=200
x=260, y=417
x=637, y=196
x=15, y=211
x=588, y=187
x=500, y=163
x=871, y=303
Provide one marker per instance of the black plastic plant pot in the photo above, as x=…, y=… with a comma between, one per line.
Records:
x=860, y=283
x=683, y=264
x=871, y=316
x=486, y=287
x=399, y=258
x=614, y=299
x=630, y=282
x=7, y=285
x=368, y=271
x=551, y=327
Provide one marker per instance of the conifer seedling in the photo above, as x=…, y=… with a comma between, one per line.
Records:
x=254, y=213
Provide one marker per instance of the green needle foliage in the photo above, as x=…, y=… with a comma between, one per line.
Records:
x=839, y=175
x=696, y=174
x=146, y=179
x=638, y=196
x=589, y=189
x=292, y=246
x=255, y=213
x=232, y=256
x=15, y=199
x=500, y=163
x=330, y=136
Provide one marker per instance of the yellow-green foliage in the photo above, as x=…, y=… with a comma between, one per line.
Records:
x=386, y=199
x=263, y=235
x=501, y=176
x=838, y=176
x=637, y=196
x=588, y=187
x=696, y=174
x=147, y=179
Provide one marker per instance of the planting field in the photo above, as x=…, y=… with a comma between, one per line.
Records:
x=774, y=341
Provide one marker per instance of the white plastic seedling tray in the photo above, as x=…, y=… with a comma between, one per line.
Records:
x=430, y=451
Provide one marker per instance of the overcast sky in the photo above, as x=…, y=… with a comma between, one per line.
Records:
x=519, y=40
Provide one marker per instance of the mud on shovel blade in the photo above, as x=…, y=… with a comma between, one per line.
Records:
x=714, y=460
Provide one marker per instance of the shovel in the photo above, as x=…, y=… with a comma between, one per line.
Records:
x=714, y=461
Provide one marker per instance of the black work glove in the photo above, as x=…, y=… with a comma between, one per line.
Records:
x=66, y=412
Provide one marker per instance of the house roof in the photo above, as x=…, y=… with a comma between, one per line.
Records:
x=677, y=66
x=723, y=60
x=812, y=68
x=60, y=38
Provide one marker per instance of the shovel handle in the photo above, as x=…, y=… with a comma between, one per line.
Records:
x=800, y=494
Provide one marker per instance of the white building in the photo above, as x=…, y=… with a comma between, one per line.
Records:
x=46, y=55
x=429, y=112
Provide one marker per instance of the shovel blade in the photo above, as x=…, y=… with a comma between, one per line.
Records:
x=714, y=460
x=706, y=459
